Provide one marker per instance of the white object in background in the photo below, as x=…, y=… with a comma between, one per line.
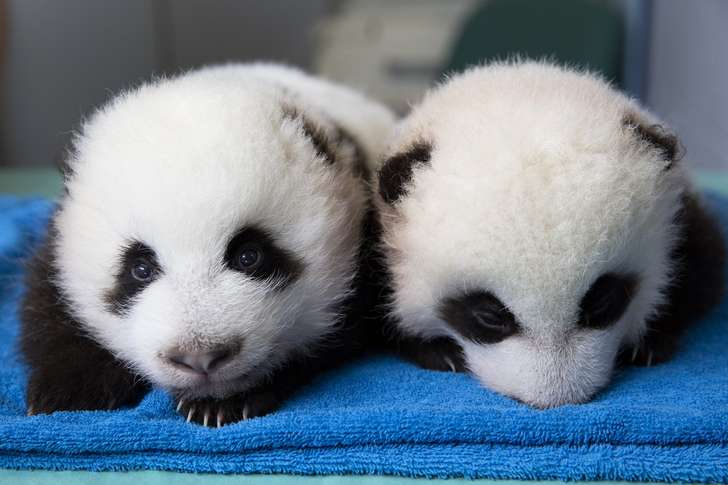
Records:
x=393, y=50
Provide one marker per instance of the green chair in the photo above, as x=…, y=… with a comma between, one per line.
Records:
x=587, y=33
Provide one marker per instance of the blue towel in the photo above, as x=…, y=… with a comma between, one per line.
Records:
x=385, y=416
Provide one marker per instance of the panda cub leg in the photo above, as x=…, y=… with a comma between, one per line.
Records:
x=68, y=370
x=698, y=284
x=440, y=354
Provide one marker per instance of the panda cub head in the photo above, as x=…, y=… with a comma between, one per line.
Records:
x=211, y=225
x=528, y=213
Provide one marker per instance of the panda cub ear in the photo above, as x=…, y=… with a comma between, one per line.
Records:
x=332, y=142
x=397, y=171
x=657, y=136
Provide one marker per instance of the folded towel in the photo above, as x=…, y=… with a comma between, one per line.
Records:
x=385, y=416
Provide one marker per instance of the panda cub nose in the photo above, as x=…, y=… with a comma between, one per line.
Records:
x=204, y=362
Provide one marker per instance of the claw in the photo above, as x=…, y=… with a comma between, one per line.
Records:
x=245, y=412
x=649, y=359
x=206, y=419
x=30, y=411
x=220, y=418
x=180, y=404
x=449, y=363
x=112, y=405
x=635, y=350
x=190, y=413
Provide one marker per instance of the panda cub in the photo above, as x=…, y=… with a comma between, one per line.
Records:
x=537, y=227
x=208, y=243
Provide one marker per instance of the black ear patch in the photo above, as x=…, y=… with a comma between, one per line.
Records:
x=319, y=139
x=321, y=143
x=359, y=164
x=332, y=147
x=658, y=137
x=396, y=173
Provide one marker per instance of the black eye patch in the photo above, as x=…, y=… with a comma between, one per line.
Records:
x=253, y=252
x=138, y=269
x=606, y=301
x=479, y=316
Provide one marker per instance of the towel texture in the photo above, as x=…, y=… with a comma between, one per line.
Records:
x=382, y=415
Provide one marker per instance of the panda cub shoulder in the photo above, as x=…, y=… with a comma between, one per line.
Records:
x=536, y=226
x=207, y=243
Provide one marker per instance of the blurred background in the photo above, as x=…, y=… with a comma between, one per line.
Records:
x=60, y=59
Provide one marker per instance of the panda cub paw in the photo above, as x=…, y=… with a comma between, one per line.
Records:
x=216, y=413
x=654, y=348
x=440, y=354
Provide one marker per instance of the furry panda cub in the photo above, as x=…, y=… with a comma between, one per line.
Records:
x=207, y=243
x=536, y=226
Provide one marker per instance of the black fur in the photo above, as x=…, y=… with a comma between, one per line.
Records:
x=606, y=300
x=440, y=354
x=396, y=172
x=698, y=285
x=121, y=296
x=479, y=316
x=330, y=148
x=658, y=137
x=275, y=263
x=359, y=164
x=213, y=412
x=311, y=130
x=320, y=141
x=67, y=369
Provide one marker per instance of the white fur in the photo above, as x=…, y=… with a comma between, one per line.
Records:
x=182, y=164
x=535, y=189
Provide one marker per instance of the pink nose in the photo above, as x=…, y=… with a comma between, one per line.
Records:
x=203, y=362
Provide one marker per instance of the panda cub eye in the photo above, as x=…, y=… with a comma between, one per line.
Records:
x=253, y=252
x=142, y=270
x=248, y=258
x=607, y=300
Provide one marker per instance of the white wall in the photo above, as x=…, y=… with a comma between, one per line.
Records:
x=687, y=81
x=63, y=58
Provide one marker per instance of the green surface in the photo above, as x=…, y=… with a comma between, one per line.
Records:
x=47, y=182
x=715, y=181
